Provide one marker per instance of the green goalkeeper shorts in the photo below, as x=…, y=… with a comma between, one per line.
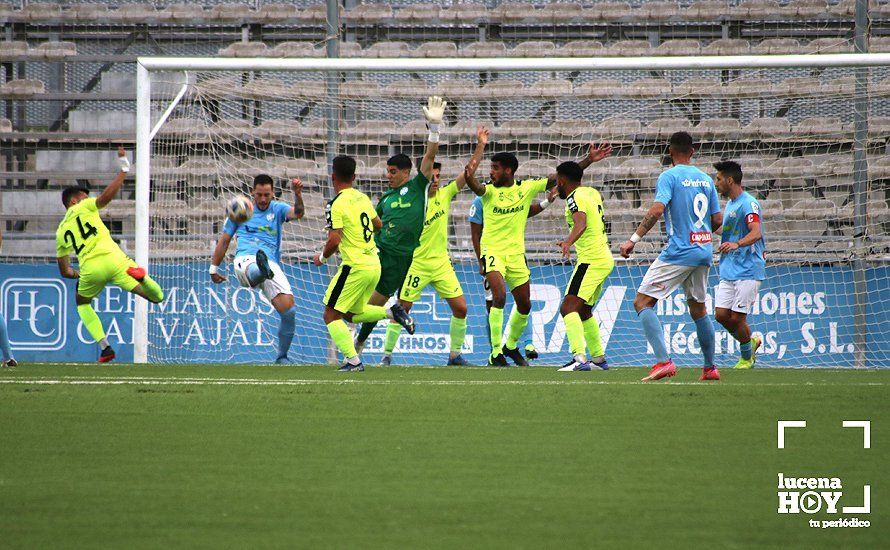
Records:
x=393, y=269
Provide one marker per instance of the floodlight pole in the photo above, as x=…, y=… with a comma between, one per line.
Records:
x=143, y=183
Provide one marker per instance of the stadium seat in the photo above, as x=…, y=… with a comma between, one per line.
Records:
x=879, y=44
x=183, y=13
x=768, y=129
x=484, y=49
x=231, y=130
x=846, y=9
x=408, y=88
x=182, y=127
x=436, y=49
x=5, y=125
x=23, y=87
x=757, y=10
x=351, y=49
x=812, y=209
x=822, y=129
x=609, y=12
x=55, y=50
x=102, y=122
x=134, y=13
x=828, y=45
x=295, y=49
x=642, y=169
x=276, y=13
x=606, y=87
x=561, y=13
x=418, y=14
x=416, y=130
x=845, y=85
x=699, y=87
x=649, y=88
x=230, y=13
x=618, y=129
x=369, y=14
x=550, y=88
x=582, y=48
x=628, y=48
x=521, y=129
x=662, y=128
x=458, y=89
x=727, y=46
x=42, y=12
x=503, y=88
x=221, y=86
x=534, y=48
x=388, y=49
x=879, y=127
x=465, y=131
x=464, y=13
x=799, y=86
x=748, y=87
x=718, y=129
x=244, y=49
x=678, y=47
x=357, y=89
x=573, y=129
x=274, y=129
x=658, y=11
x=513, y=13
x=316, y=14
x=776, y=46
x=90, y=13
x=13, y=48
x=706, y=10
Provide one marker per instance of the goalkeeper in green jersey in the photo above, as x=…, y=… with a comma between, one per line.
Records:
x=431, y=264
x=402, y=209
x=505, y=209
x=100, y=259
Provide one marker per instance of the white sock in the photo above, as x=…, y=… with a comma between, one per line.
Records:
x=103, y=343
x=580, y=358
x=354, y=360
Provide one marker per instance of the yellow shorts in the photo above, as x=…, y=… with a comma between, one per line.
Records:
x=513, y=267
x=587, y=282
x=439, y=274
x=99, y=271
x=351, y=288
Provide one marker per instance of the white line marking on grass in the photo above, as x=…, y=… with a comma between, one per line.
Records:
x=148, y=381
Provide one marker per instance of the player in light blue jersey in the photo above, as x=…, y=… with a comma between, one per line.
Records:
x=688, y=200
x=258, y=253
x=742, y=267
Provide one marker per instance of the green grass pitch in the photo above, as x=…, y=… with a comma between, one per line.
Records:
x=251, y=456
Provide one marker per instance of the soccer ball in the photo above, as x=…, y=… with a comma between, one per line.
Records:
x=239, y=209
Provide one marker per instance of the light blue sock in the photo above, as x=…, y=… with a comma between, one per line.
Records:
x=286, y=331
x=254, y=275
x=652, y=329
x=705, y=330
x=745, y=349
x=4, y=339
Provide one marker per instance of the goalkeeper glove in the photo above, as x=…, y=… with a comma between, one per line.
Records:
x=434, y=112
x=125, y=164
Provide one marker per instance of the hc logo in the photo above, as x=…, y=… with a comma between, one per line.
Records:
x=35, y=312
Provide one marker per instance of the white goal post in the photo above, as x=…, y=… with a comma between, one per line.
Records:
x=148, y=120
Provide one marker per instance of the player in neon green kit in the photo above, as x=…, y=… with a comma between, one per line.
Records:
x=505, y=206
x=351, y=222
x=100, y=259
x=431, y=264
x=585, y=216
x=402, y=209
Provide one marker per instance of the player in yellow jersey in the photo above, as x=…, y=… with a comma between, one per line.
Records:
x=351, y=222
x=431, y=264
x=586, y=219
x=505, y=209
x=100, y=259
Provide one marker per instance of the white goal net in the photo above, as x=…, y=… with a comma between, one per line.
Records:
x=820, y=172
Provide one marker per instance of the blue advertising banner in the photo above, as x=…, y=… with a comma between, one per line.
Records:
x=805, y=315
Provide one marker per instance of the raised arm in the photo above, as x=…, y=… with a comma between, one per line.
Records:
x=65, y=268
x=222, y=245
x=580, y=225
x=539, y=207
x=469, y=176
x=298, y=210
x=652, y=216
x=482, y=135
x=595, y=153
x=434, y=113
x=115, y=185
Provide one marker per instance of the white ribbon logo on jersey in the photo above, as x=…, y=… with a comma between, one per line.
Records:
x=812, y=495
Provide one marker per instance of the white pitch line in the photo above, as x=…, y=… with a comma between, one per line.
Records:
x=146, y=381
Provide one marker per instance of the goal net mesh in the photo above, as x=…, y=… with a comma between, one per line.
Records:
x=792, y=130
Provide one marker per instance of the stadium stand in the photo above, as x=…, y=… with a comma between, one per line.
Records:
x=66, y=90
